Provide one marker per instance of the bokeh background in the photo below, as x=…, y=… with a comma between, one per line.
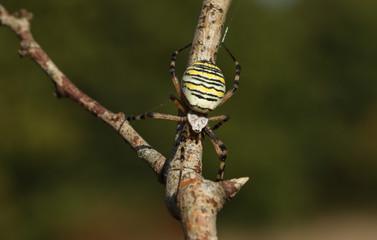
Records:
x=303, y=125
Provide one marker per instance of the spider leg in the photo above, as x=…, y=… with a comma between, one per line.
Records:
x=172, y=70
x=220, y=150
x=236, y=79
x=178, y=103
x=156, y=116
x=183, y=138
x=222, y=118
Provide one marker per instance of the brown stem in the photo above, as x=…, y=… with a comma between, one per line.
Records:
x=189, y=197
x=19, y=23
x=197, y=201
x=208, y=31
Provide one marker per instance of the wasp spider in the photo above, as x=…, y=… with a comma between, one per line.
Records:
x=202, y=89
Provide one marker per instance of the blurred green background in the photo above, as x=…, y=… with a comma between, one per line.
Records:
x=303, y=125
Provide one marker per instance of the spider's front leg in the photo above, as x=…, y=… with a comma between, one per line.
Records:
x=156, y=116
x=220, y=150
x=236, y=78
x=165, y=116
x=178, y=103
x=172, y=70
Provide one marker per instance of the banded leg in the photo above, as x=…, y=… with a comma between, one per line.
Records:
x=172, y=70
x=220, y=150
x=178, y=103
x=236, y=78
x=183, y=138
x=222, y=118
x=156, y=116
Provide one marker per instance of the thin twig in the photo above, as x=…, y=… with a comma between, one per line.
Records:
x=19, y=23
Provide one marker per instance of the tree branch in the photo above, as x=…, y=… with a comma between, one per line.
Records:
x=198, y=200
x=19, y=23
x=189, y=197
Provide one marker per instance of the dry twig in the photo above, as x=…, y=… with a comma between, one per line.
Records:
x=189, y=197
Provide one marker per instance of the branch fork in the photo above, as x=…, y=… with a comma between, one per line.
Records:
x=189, y=197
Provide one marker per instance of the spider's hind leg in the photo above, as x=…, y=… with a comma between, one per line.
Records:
x=182, y=142
x=184, y=136
x=220, y=150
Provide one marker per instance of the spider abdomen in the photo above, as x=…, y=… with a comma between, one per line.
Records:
x=203, y=86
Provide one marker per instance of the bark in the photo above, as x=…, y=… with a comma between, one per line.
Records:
x=190, y=198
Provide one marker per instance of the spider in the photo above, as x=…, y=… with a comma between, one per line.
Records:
x=202, y=90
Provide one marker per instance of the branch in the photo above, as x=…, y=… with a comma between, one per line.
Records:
x=198, y=200
x=19, y=23
x=189, y=197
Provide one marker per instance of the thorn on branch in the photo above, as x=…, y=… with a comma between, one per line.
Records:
x=233, y=186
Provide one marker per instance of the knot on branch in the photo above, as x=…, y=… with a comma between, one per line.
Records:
x=27, y=44
x=212, y=195
x=58, y=93
x=119, y=117
x=23, y=13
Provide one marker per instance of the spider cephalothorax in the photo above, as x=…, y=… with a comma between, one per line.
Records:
x=202, y=89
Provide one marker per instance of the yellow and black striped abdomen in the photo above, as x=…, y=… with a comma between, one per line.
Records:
x=203, y=86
